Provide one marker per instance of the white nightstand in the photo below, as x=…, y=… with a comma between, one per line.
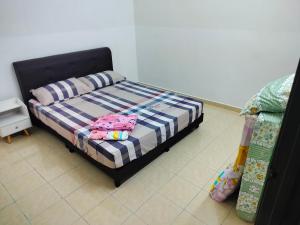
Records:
x=14, y=117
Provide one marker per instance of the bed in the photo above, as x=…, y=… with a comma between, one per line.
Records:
x=164, y=117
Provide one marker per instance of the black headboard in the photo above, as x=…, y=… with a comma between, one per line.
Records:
x=34, y=73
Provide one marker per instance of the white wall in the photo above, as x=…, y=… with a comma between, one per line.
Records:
x=36, y=28
x=219, y=50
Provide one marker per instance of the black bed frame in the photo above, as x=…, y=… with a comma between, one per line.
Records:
x=38, y=72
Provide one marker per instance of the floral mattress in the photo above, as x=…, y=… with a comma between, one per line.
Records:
x=262, y=144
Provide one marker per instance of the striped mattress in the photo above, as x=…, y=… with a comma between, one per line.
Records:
x=161, y=114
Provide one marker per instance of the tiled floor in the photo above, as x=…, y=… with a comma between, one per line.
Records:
x=42, y=183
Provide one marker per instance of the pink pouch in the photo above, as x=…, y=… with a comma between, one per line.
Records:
x=115, y=122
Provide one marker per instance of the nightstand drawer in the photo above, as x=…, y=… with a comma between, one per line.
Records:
x=15, y=127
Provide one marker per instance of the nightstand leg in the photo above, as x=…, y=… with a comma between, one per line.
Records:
x=26, y=132
x=8, y=139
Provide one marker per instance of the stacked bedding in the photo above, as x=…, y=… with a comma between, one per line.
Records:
x=264, y=113
x=269, y=105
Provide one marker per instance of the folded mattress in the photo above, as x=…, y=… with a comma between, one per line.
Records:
x=161, y=114
x=262, y=144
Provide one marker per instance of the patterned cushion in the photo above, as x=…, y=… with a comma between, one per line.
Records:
x=103, y=79
x=60, y=91
x=272, y=98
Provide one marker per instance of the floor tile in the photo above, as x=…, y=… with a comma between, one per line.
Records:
x=207, y=210
x=215, y=155
x=180, y=191
x=233, y=219
x=69, y=181
x=158, y=210
x=196, y=172
x=37, y=201
x=25, y=184
x=154, y=175
x=73, y=159
x=32, y=149
x=58, y=214
x=173, y=160
x=8, y=156
x=109, y=212
x=187, y=219
x=217, y=124
x=219, y=113
x=5, y=198
x=11, y=215
x=80, y=222
x=134, y=193
x=49, y=165
x=31, y=145
x=14, y=170
x=87, y=197
x=194, y=143
x=133, y=220
x=96, y=175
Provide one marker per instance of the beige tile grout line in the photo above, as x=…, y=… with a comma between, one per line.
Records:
x=13, y=199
